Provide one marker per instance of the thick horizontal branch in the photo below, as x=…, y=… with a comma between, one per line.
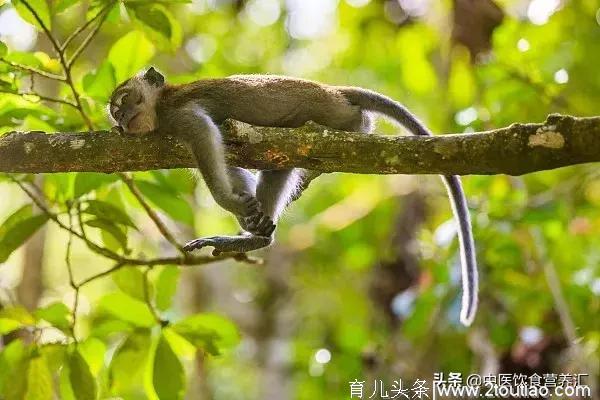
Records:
x=514, y=150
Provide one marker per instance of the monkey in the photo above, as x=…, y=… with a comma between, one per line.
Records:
x=192, y=112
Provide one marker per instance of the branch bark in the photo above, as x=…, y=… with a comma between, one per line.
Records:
x=514, y=150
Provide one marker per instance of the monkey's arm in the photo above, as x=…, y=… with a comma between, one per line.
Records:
x=203, y=138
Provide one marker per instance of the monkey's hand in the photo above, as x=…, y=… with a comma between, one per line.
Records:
x=118, y=130
x=241, y=204
x=229, y=244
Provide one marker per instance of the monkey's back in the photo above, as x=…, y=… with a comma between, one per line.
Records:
x=266, y=100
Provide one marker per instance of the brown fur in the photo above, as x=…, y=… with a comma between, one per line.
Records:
x=264, y=100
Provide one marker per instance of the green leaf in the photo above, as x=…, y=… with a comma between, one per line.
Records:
x=40, y=8
x=10, y=358
x=177, y=180
x=55, y=355
x=39, y=380
x=108, y=211
x=168, y=375
x=3, y=49
x=64, y=385
x=17, y=313
x=100, y=83
x=80, y=377
x=93, y=351
x=129, y=54
x=113, y=230
x=210, y=332
x=166, y=287
x=155, y=17
x=9, y=325
x=131, y=281
x=85, y=182
x=174, y=206
x=16, y=384
x=57, y=314
x=25, y=58
x=128, y=309
x=129, y=361
x=62, y=5
x=17, y=228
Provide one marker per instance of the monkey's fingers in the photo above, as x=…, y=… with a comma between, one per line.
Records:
x=251, y=205
x=117, y=130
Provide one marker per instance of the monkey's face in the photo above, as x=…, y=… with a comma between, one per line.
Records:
x=133, y=104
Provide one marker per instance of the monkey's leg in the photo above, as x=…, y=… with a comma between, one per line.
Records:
x=275, y=189
x=244, y=181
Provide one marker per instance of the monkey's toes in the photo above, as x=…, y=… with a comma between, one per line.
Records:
x=260, y=225
x=265, y=226
x=198, y=244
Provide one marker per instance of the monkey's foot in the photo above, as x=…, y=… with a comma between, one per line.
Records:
x=258, y=224
x=227, y=244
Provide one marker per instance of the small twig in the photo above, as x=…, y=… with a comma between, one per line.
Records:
x=34, y=70
x=153, y=216
x=66, y=68
x=83, y=27
x=53, y=41
x=41, y=97
x=182, y=260
x=560, y=304
x=71, y=277
x=87, y=40
x=148, y=300
x=93, y=246
x=109, y=271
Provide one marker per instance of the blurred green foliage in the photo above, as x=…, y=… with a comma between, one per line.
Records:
x=537, y=235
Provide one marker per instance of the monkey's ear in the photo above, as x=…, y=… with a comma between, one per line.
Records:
x=154, y=77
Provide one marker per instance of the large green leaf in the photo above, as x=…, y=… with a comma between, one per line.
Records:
x=131, y=281
x=130, y=54
x=85, y=182
x=129, y=361
x=174, y=206
x=17, y=228
x=80, y=377
x=126, y=308
x=16, y=384
x=108, y=211
x=166, y=286
x=3, y=49
x=59, y=6
x=39, y=380
x=115, y=232
x=210, y=332
x=8, y=325
x=57, y=314
x=99, y=84
x=11, y=357
x=40, y=8
x=168, y=375
x=155, y=17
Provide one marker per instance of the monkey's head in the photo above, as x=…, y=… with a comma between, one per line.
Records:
x=132, y=105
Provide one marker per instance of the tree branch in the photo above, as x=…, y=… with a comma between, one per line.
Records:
x=514, y=150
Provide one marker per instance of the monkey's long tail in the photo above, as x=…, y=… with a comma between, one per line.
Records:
x=373, y=101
